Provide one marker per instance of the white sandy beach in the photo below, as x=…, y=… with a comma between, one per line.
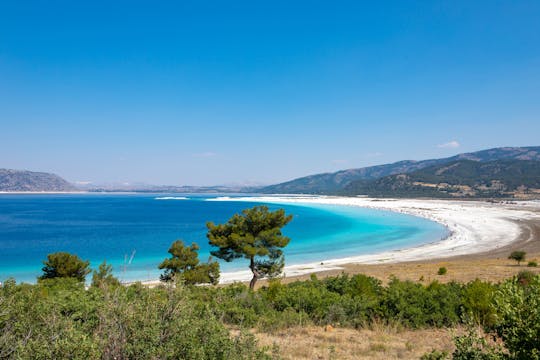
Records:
x=475, y=227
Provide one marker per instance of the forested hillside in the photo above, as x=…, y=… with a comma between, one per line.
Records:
x=464, y=178
x=331, y=183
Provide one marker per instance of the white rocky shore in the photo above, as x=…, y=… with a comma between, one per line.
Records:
x=475, y=227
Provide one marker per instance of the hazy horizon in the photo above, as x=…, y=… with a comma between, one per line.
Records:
x=246, y=183
x=220, y=93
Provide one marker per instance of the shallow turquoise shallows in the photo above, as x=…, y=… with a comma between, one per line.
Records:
x=134, y=232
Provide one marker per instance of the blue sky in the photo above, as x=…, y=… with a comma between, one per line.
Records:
x=202, y=92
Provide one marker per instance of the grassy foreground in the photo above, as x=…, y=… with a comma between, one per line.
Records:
x=59, y=318
x=378, y=341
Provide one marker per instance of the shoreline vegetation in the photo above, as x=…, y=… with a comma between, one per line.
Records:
x=59, y=317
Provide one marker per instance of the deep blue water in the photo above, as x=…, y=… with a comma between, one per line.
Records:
x=117, y=227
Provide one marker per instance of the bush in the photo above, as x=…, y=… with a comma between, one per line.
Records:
x=525, y=277
x=103, y=276
x=518, y=323
x=473, y=346
x=417, y=306
x=237, y=305
x=532, y=264
x=435, y=355
x=477, y=302
x=441, y=271
x=309, y=297
x=59, y=319
x=358, y=285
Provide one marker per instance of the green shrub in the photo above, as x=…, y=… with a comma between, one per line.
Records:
x=477, y=302
x=435, y=355
x=59, y=319
x=532, y=264
x=473, y=346
x=358, y=285
x=518, y=321
x=443, y=305
x=441, y=271
x=308, y=297
x=524, y=277
x=237, y=305
x=417, y=306
x=103, y=276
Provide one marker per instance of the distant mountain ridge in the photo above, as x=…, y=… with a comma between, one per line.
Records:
x=329, y=183
x=516, y=165
x=187, y=189
x=23, y=180
x=32, y=181
x=458, y=179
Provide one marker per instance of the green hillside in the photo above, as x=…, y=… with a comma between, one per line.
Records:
x=330, y=183
x=463, y=178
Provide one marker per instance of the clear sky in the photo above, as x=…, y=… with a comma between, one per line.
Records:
x=203, y=92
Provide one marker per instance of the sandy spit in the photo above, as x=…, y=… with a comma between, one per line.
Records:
x=475, y=227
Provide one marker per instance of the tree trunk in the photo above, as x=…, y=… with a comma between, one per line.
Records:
x=252, y=282
x=255, y=275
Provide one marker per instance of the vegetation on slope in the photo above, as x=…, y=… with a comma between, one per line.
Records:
x=331, y=183
x=59, y=318
x=464, y=178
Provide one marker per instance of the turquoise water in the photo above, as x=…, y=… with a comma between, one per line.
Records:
x=134, y=231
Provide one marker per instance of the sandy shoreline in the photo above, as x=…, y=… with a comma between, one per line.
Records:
x=477, y=227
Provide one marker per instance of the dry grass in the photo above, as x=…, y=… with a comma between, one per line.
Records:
x=462, y=270
x=378, y=342
x=459, y=269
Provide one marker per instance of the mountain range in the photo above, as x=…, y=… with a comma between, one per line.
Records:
x=31, y=181
x=498, y=172
x=337, y=182
x=458, y=179
x=23, y=180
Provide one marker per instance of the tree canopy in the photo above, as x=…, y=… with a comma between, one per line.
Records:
x=185, y=262
x=63, y=264
x=518, y=255
x=255, y=234
x=103, y=276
